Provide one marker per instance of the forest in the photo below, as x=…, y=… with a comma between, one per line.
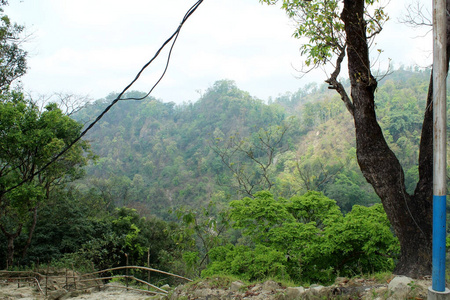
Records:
x=330, y=180
x=229, y=184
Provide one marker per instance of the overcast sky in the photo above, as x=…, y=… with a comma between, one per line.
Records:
x=94, y=47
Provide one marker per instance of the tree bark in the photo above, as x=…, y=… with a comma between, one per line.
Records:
x=30, y=232
x=410, y=216
x=10, y=247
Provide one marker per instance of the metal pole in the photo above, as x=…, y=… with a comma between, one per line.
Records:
x=439, y=143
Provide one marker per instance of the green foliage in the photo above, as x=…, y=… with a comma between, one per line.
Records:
x=200, y=231
x=320, y=23
x=156, y=156
x=246, y=263
x=314, y=207
x=348, y=193
x=13, y=58
x=62, y=227
x=305, y=238
x=363, y=241
x=314, y=113
x=251, y=159
x=124, y=234
x=159, y=156
x=29, y=139
x=191, y=259
x=168, y=147
x=125, y=226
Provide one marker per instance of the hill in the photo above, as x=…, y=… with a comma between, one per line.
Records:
x=159, y=156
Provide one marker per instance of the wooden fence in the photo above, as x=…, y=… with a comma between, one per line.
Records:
x=70, y=280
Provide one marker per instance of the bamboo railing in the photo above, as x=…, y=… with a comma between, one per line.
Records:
x=78, y=282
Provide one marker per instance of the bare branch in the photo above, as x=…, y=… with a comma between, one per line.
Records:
x=67, y=102
x=250, y=162
x=417, y=16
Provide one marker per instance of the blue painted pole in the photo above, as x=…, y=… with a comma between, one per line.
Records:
x=439, y=233
x=438, y=291
x=439, y=143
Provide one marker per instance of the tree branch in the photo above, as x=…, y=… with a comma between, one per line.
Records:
x=336, y=85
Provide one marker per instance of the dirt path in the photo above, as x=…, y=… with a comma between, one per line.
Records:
x=10, y=291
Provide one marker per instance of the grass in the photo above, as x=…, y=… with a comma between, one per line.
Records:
x=381, y=277
x=215, y=282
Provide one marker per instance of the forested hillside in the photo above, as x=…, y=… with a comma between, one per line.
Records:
x=157, y=156
x=231, y=185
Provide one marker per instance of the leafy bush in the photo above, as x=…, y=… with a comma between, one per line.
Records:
x=246, y=263
x=305, y=238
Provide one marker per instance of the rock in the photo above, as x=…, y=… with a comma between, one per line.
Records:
x=270, y=285
x=236, y=285
x=400, y=287
x=353, y=282
x=57, y=295
x=341, y=280
x=293, y=293
x=278, y=296
x=65, y=296
x=382, y=291
x=399, y=280
x=165, y=287
x=354, y=289
x=318, y=291
x=256, y=288
x=179, y=290
x=74, y=294
x=203, y=293
x=317, y=288
x=378, y=293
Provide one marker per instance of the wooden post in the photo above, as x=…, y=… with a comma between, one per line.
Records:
x=93, y=271
x=37, y=271
x=46, y=280
x=74, y=279
x=148, y=265
x=126, y=278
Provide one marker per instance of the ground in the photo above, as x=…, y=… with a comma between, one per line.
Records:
x=218, y=288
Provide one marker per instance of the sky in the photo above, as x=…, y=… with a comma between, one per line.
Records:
x=95, y=47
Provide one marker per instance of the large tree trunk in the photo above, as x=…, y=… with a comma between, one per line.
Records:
x=10, y=247
x=410, y=216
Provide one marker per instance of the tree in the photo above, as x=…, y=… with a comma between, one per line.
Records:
x=338, y=30
x=29, y=139
x=305, y=238
x=251, y=160
x=12, y=57
x=200, y=231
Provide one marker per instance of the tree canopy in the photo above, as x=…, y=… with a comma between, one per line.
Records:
x=12, y=58
x=29, y=139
